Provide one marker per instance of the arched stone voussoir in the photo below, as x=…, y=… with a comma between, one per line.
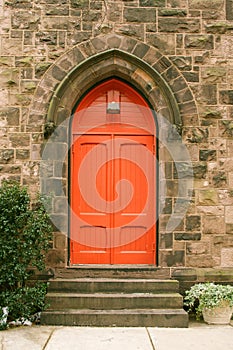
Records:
x=105, y=56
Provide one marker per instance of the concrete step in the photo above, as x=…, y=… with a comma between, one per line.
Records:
x=118, y=318
x=113, y=271
x=113, y=301
x=110, y=285
x=114, y=296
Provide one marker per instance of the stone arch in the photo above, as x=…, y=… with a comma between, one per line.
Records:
x=152, y=73
x=66, y=82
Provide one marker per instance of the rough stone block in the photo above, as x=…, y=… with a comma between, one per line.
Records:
x=193, y=223
x=22, y=154
x=229, y=214
x=166, y=240
x=196, y=135
x=200, y=170
x=91, y=16
x=21, y=20
x=136, y=15
x=79, y=37
x=219, y=179
x=60, y=241
x=207, y=4
x=198, y=248
x=171, y=25
x=56, y=258
x=140, y=50
x=60, y=205
x=6, y=156
x=167, y=206
x=19, y=140
x=191, y=76
x=36, y=152
x=82, y=4
x=207, y=154
x=188, y=108
x=217, y=210
x=227, y=257
x=183, y=170
x=213, y=14
x=226, y=97
x=114, y=12
x=218, y=28
x=208, y=197
x=170, y=12
x=55, y=10
x=151, y=3
x=60, y=221
x=165, y=43
x=11, y=115
x=49, y=38
x=229, y=10
x=51, y=185
x=199, y=42
x=133, y=30
x=173, y=259
x=206, y=94
x=204, y=261
x=213, y=224
x=185, y=236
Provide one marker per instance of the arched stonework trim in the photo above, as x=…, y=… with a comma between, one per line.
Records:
x=88, y=63
x=151, y=77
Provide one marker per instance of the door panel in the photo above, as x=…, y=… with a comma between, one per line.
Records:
x=89, y=220
x=117, y=227
x=136, y=221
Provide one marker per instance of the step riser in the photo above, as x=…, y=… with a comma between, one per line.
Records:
x=124, y=297
x=117, y=272
x=106, y=303
x=112, y=287
x=142, y=320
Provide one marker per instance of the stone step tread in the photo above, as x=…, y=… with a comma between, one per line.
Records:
x=117, y=312
x=99, y=279
x=113, y=271
x=113, y=295
x=139, y=317
x=124, y=267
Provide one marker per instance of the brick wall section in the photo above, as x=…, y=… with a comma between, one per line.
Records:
x=195, y=39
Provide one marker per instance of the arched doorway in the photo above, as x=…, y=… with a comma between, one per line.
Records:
x=113, y=178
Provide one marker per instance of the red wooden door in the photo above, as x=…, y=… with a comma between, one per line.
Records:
x=112, y=183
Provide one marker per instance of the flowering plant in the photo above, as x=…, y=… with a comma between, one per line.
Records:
x=207, y=296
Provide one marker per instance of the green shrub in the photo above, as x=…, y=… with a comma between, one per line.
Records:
x=26, y=301
x=25, y=234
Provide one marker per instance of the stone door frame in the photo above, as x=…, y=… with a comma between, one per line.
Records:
x=66, y=82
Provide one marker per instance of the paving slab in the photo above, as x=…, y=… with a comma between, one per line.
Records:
x=25, y=338
x=91, y=338
x=198, y=338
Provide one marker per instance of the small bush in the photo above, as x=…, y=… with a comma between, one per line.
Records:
x=24, y=302
x=207, y=296
x=25, y=234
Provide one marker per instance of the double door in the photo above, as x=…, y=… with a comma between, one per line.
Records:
x=113, y=199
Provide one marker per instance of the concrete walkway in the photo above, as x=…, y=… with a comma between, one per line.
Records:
x=198, y=336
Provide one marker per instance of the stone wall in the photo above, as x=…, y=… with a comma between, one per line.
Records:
x=190, y=45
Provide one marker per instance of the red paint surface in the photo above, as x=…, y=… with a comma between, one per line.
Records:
x=113, y=220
